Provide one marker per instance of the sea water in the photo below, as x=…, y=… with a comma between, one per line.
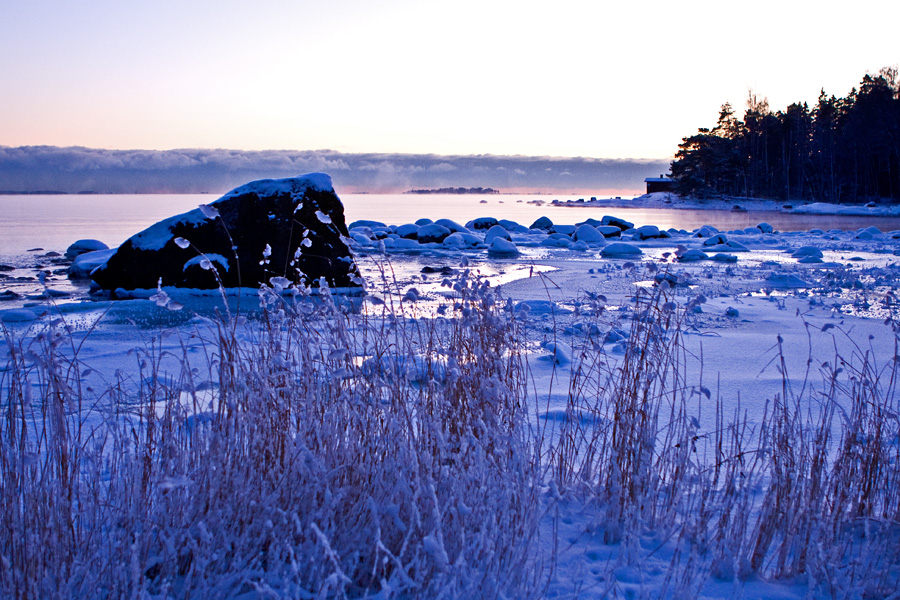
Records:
x=52, y=222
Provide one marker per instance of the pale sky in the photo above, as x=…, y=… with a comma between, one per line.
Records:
x=623, y=79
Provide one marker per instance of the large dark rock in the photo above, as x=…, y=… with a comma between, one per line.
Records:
x=300, y=219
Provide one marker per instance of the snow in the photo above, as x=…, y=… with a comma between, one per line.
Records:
x=621, y=250
x=79, y=247
x=204, y=261
x=747, y=308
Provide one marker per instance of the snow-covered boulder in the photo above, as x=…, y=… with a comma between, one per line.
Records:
x=85, y=263
x=512, y=226
x=433, y=233
x=409, y=231
x=481, y=223
x=461, y=240
x=706, y=231
x=542, y=223
x=620, y=250
x=589, y=234
x=365, y=223
x=646, y=232
x=693, y=255
x=556, y=240
x=609, y=231
x=715, y=240
x=765, y=228
x=453, y=226
x=805, y=251
x=79, y=247
x=18, y=315
x=497, y=231
x=622, y=224
x=563, y=229
x=291, y=228
x=501, y=247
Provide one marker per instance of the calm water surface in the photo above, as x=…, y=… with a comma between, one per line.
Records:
x=53, y=222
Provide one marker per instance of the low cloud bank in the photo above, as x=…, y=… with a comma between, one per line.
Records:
x=76, y=169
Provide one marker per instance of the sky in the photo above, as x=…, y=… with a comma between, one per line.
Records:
x=563, y=79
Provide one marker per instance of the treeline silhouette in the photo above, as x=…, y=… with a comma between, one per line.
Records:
x=841, y=150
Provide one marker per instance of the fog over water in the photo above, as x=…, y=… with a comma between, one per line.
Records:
x=76, y=169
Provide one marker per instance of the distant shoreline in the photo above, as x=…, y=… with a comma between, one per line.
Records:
x=456, y=190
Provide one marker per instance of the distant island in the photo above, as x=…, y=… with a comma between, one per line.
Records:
x=458, y=190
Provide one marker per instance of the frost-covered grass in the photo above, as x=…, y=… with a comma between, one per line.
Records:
x=318, y=450
x=809, y=493
x=292, y=459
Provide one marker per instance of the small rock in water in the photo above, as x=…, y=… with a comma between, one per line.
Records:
x=82, y=246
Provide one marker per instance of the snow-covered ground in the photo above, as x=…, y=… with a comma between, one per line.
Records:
x=761, y=315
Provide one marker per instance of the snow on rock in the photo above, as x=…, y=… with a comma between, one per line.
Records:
x=706, y=231
x=715, y=240
x=496, y=231
x=366, y=223
x=85, y=263
x=765, y=228
x=693, y=255
x=558, y=354
x=563, y=229
x=540, y=307
x=80, y=247
x=556, y=240
x=461, y=240
x=18, y=315
x=512, y=226
x=646, y=232
x=453, y=226
x=805, y=251
x=542, y=223
x=409, y=231
x=433, y=233
x=785, y=280
x=723, y=258
x=502, y=247
x=620, y=250
x=622, y=224
x=589, y=234
x=482, y=223
x=297, y=222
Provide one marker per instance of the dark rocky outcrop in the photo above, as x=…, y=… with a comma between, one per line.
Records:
x=292, y=228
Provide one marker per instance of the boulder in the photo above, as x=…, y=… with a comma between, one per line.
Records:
x=481, y=223
x=497, y=231
x=453, y=226
x=433, y=233
x=409, y=231
x=542, y=223
x=292, y=228
x=85, y=263
x=78, y=248
x=616, y=222
x=502, y=247
x=563, y=229
x=589, y=235
x=620, y=250
x=646, y=232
